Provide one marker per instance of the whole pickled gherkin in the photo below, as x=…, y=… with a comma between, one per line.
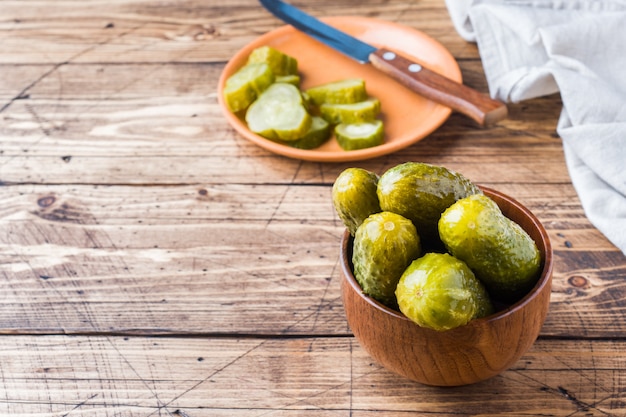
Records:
x=441, y=292
x=384, y=245
x=354, y=196
x=501, y=254
x=421, y=192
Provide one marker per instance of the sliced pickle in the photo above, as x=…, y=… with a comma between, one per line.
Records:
x=350, y=90
x=245, y=85
x=279, y=62
x=279, y=113
x=318, y=133
x=352, y=136
x=289, y=79
x=362, y=111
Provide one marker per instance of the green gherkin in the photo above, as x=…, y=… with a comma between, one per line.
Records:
x=280, y=63
x=318, y=133
x=501, y=254
x=359, y=112
x=349, y=90
x=384, y=245
x=352, y=136
x=354, y=197
x=441, y=292
x=421, y=192
x=279, y=113
x=244, y=86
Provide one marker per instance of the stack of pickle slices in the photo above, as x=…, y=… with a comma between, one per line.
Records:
x=266, y=91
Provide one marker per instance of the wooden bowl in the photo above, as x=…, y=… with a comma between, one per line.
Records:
x=477, y=351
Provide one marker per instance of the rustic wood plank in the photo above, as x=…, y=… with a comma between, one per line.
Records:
x=185, y=31
x=109, y=375
x=154, y=262
x=248, y=259
x=185, y=139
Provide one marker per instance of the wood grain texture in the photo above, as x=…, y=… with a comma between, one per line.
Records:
x=154, y=262
x=118, y=132
x=237, y=257
x=110, y=375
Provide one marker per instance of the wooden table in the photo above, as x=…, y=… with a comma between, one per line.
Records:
x=156, y=263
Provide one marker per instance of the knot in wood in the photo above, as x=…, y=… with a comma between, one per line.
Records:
x=578, y=281
x=46, y=201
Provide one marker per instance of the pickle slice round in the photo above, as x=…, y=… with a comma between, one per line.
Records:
x=279, y=113
x=279, y=62
x=289, y=79
x=318, y=133
x=245, y=85
x=349, y=90
x=441, y=292
x=359, y=112
x=354, y=197
x=352, y=136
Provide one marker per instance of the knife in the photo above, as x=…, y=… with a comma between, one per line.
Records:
x=479, y=107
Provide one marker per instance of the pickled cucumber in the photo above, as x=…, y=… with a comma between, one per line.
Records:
x=279, y=113
x=359, y=112
x=384, y=245
x=354, y=197
x=318, y=133
x=293, y=121
x=441, y=292
x=244, y=86
x=289, y=79
x=421, y=192
x=352, y=136
x=501, y=254
x=350, y=90
x=279, y=62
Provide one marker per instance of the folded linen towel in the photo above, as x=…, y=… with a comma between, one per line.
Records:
x=531, y=48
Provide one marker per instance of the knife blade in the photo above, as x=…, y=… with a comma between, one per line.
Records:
x=415, y=76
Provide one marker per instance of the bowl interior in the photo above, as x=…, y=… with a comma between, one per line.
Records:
x=512, y=209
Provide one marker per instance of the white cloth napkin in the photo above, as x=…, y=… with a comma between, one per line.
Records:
x=531, y=48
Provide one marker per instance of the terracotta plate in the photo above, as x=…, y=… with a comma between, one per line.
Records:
x=408, y=117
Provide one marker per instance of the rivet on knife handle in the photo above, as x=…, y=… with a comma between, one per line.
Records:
x=480, y=107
